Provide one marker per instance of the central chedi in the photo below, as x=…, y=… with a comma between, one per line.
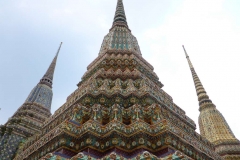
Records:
x=119, y=111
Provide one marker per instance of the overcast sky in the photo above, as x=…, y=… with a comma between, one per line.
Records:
x=31, y=31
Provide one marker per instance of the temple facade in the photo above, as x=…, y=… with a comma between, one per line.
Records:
x=120, y=111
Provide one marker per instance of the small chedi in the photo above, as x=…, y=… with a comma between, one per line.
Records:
x=213, y=125
x=118, y=112
x=29, y=118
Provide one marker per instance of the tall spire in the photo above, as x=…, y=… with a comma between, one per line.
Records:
x=120, y=17
x=48, y=76
x=212, y=124
x=41, y=93
x=201, y=93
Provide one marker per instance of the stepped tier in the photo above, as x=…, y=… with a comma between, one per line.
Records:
x=128, y=130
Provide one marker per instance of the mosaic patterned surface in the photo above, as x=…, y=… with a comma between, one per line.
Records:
x=42, y=95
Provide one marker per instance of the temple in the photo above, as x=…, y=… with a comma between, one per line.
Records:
x=120, y=111
x=29, y=117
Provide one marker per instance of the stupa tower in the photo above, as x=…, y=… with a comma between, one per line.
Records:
x=119, y=111
x=213, y=125
x=28, y=119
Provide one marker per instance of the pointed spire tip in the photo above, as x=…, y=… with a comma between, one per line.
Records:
x=120, y=17
x=189, y=62
x=185, y=51
x=59, y=49
x=48, y=76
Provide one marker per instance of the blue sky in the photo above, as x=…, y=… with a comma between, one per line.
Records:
x=31, y=31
